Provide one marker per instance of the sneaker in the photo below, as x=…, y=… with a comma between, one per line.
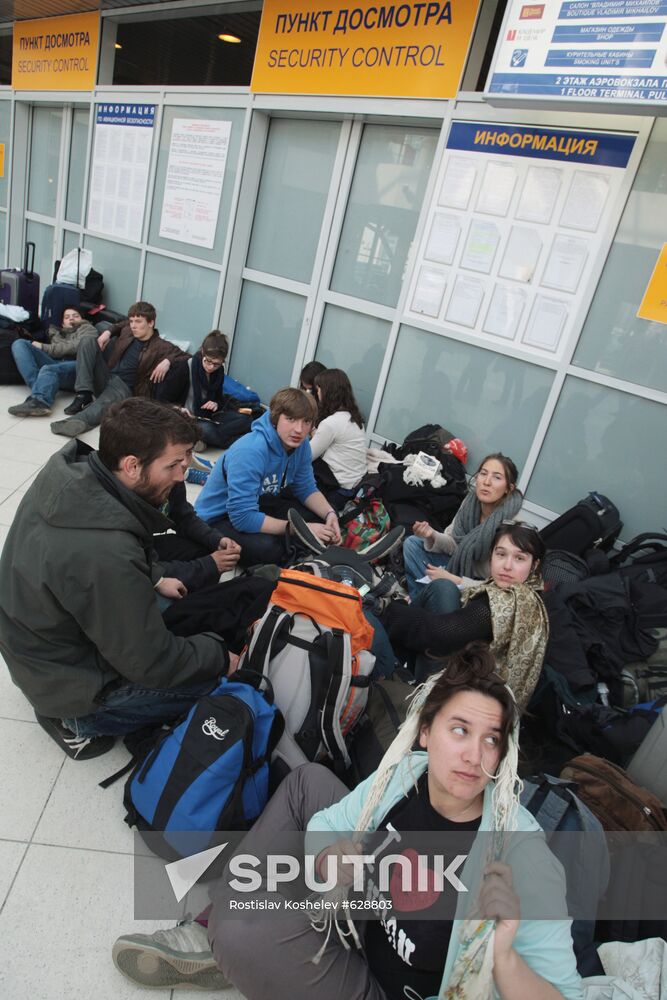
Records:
x=76, y=747
x=30, y=407
x=303, y=532
x=197, y=476
x=197, y=462
x=71, y=427
x=80, y=401
x=179, y=957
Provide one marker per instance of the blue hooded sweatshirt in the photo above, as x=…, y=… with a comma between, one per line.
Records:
x=255, y=464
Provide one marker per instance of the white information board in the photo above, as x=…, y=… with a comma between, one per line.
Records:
x=592, y=51
x=193, y=185
x=121, y=160
x=513, y=230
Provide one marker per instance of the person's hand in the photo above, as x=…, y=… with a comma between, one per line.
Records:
x=184, y=410
x=160, y=370
x=226, y=555
x=210, y=405
x=172, y=588
x=422, y=529
x=337, y=850
x=38, y=344
x=498, y=901
x=327, y=533
x=233, y=662
x=438, y=573
x=332, y=522
x=103, y=339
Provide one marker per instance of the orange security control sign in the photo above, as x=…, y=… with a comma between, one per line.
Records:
x=389, y=49
x=56, y=53
x=654, y=303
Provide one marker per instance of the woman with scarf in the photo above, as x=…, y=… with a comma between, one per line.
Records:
x=505, y=610
x=451, y=771
x=461, y=552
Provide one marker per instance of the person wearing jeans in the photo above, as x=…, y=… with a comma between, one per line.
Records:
x=48, y=367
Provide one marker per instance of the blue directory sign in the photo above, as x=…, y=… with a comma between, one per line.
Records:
x=599, y=52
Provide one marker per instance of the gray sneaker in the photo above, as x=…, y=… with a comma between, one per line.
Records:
x=30, y=407
x=176, y=958
x=70, y=428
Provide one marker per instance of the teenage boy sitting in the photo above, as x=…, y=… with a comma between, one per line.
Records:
x=262, y=475
x=129, y=359
x=46, y=368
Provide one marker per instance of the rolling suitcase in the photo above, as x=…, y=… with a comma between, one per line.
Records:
x=20, y=287
x=57, y=297
x=9, y=373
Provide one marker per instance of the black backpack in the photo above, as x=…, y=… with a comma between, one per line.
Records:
x=644, y=559
x=593, y=522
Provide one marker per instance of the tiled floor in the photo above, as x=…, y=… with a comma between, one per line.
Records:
x=66, y=889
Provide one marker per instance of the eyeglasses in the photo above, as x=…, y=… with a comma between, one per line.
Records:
x=213, y=362
x=520, y=524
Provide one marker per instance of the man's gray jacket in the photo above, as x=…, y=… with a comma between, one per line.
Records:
x=77, y=604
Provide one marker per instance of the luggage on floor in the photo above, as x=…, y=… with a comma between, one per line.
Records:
x=387, y=707
x=313, y=643
x=208, y=772
x=20, y=286
x=407, y=502
x=9, y=373
x=593, y=522
x=363, y=521
x=560, y=566
x=243, y=394
x=55, y=300
x=613, y=796
x=643, y=559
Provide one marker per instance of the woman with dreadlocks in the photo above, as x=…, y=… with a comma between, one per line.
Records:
x=451, y=769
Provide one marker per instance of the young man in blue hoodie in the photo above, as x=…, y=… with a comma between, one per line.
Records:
x=256, y=471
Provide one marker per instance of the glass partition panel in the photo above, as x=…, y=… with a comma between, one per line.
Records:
x=77, y=164
x=292, y=195
x=266, y=337
x=356, y=343
x=614, y=340
x=381, y=215
x=3, y=238
x=184, y=296
x=42, y=237
x=120, y=267
x=5, y=139
x=70, y=242
x=492, y=402
x=609, y=441
x=44, y=160
x=189, y=208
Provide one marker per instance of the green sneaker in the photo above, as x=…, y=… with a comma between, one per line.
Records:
x=176, y=958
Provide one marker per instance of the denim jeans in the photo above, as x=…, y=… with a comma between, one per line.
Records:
x=441, y=597
x=43, y=374
x=132, y=706
x=416, y=559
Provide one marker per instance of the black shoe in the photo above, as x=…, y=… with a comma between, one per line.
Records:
x=80, y=401
x=31, y=407
x=303, y=533
x=76, y=747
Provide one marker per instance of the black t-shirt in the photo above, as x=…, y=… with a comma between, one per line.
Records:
x=127, y=365
x=401, y=951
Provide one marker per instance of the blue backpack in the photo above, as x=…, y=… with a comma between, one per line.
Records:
x=208, y=772
x=244, y=394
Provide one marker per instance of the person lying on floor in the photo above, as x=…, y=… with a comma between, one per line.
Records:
x=338, y=445
x=451, y=770
x=461, y=552
x=80, y=627
x=49, y=367
x=506, y=610
x=253, y=485
x=129, y=359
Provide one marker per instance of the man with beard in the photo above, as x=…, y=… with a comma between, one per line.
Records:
x=80, y=626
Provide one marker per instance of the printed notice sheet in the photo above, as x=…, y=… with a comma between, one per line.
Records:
x=119, y=175
x=193, y=185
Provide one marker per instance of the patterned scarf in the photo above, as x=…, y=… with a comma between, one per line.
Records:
x=520, y=632
x=473, y=536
